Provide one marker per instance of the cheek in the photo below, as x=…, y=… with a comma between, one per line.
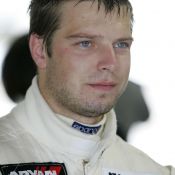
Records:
x=127, y=66
x=76, y=63
x=71, y=64
x=65, y=50
x=61, y=59
x=124, y=68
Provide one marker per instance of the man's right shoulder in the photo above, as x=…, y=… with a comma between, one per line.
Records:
x=10, y=131
x=9, y=128
x=8, y=135
x=15, y=141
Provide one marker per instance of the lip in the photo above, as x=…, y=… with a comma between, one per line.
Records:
x=104, y=86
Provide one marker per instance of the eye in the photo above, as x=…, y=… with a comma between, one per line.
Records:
x=85, y=44
x=121, y=45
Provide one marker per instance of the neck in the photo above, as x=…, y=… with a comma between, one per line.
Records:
x=86, y=120
x=76, y=117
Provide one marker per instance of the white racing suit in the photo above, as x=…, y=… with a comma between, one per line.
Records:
x=34, y=142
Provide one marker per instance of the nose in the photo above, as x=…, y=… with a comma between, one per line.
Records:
x=107, y=59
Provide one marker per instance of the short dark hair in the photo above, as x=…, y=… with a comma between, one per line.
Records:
x=45, y=16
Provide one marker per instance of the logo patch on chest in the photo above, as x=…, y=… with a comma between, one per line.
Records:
x=86, y=129
x=34, y=169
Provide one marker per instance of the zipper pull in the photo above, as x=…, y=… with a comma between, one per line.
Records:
x=84, y=166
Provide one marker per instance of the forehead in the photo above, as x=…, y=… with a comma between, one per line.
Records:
x=86, y=17
x=85, y=11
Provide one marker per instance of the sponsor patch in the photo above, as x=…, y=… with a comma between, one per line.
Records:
x=86, y=129
x=34, y=169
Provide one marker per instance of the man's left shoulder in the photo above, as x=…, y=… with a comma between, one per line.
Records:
x=125, y=156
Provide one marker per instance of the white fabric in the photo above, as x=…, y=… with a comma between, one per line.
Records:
x=33, y=133
x=86, y=147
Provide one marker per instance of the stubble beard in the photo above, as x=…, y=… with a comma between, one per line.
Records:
x=78, y=104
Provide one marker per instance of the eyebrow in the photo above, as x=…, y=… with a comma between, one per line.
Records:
x=126, y=39
x=84, y=35
x=92, y=36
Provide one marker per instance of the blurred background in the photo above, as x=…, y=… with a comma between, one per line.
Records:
x=153, y=62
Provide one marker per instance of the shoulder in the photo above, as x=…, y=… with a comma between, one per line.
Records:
x=7, y=127
x=8, y=136
x=10, y=131
x=10, y=128
x=12, y=135
x=16, y=143
x=123, y=155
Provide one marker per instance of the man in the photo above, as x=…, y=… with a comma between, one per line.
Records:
x=18, y=70
x=65, y=125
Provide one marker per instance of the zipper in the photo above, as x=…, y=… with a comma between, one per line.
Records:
x=86, y=164
x=84, y=167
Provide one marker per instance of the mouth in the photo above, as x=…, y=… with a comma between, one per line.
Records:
x=103, y=86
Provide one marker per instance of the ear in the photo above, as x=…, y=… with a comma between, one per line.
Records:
x=37, y=51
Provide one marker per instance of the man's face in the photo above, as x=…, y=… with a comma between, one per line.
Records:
x=90, y=61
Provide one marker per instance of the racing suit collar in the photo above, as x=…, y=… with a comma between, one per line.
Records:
x=47, y=129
